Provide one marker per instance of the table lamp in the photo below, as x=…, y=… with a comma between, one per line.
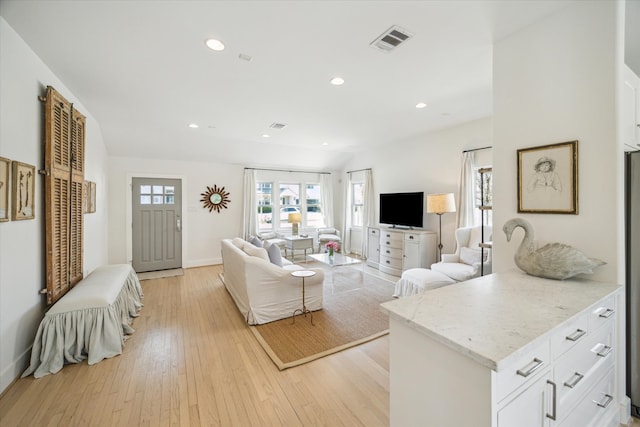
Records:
x=440, y=204
x=294, y=219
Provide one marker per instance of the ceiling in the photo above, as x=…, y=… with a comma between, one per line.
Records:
x=142, y=70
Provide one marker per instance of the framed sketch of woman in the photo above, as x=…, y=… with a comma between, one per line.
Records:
x=548, y=179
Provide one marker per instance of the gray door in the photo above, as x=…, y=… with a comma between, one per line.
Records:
x=157, y=224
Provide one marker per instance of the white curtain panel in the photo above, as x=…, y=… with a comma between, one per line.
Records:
x=326, y=194
x=466, y=202
x=346, y=235
x=369, y=210
x=249, y=204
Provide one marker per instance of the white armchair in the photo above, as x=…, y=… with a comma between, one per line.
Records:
x=273, y=238
x=465, y=263
x=326, y=235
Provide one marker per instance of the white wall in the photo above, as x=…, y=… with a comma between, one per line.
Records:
x=554, y=82
x=429, y=163
x=202, y=230
x=23, y=77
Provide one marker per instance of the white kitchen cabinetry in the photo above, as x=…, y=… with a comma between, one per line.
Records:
x=631, y=110
x=399, y=250
x=505, y=350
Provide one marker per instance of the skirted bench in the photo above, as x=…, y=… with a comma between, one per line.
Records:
x=90, y=321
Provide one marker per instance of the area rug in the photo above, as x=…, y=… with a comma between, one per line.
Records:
x=350, y=316
x=160, y=274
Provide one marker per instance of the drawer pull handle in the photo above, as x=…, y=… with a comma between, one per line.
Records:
x=387, y=243
x=607, y=313
x=553, y=401
x=605, y=351
x=607, y=400
x=530, y=368
x=575, y=379
x=579, y=333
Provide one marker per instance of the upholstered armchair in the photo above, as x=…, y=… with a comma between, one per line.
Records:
x=465, y=263
x=273, y=238
x=326, y=235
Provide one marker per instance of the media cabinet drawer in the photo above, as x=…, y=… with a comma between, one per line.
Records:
x=390, y=262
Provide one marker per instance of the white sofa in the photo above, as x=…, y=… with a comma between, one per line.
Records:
x=263, y=291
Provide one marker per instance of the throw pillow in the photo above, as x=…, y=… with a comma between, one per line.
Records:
x=255, y=241
x=472, y=256
x=251, y=250
x=274, y=253
x=238, y=242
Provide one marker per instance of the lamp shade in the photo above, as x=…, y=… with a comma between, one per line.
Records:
x=295, y=217
x=441, y=203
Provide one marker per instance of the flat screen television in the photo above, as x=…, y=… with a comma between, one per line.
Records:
x=402, y=209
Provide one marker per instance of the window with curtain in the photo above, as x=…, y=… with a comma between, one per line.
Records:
x=357, y=204
x=276, y=200
x=483, y=195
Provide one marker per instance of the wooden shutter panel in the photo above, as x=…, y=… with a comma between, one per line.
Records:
x=64, y=163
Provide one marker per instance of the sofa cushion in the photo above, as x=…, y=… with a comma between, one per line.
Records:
x=238, y=242
x=471, y=256
x=255, y=241
x=457, y=271
x=274, y=253
x=251, y=250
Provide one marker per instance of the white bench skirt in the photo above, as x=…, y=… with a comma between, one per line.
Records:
x=417, y=280
x=90, y=322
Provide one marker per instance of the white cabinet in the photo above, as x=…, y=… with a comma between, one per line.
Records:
x=465, y=368
x=631, y=110
x=398, y=250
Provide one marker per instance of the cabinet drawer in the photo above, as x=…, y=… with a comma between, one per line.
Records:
x=390, y=243
x=391, y=252
x=391, y=262
x=594, y=405
x=411, y=237
x=524, y=369
x=575, y=372
x=602, y=313
x=375, y=232
x=391, y=235
x=570, y=335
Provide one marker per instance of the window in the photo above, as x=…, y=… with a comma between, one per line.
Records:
x=483, y=194
x=357, y=204
x=291, y=197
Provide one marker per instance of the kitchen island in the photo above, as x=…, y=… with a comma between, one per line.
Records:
x=499, y=350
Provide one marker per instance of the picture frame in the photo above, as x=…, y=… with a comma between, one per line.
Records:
x=23, y=186
x=5, y=176
x=548, y=179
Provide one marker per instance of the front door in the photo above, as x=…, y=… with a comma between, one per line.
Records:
x=157, y=224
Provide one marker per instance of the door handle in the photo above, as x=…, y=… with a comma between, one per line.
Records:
x=179, y=225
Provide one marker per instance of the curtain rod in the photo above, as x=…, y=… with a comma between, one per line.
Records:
x=284, y=170
x=477, y=149
x=359, y=170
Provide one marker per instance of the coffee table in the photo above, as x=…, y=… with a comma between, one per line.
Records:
x=335, y=260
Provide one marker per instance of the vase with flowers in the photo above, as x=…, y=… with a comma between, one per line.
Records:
x=332, y=247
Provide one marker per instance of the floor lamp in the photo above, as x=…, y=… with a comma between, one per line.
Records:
x=440, y=204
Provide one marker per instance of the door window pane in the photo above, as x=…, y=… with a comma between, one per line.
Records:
x=157, y=200
x=145, y=189
x=157, y=189
x=168, y=200
x=145, y=200
x=169, y=189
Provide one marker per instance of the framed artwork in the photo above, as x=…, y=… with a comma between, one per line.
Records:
x=92, y=197
x=23, y=189
x=5, y=170
x=548, y=179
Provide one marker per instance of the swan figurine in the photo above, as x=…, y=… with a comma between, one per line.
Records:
x=553, y=261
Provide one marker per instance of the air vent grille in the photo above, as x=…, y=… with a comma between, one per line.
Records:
x=391, y=39
x=277, y=126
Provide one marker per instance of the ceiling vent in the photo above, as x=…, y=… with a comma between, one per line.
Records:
x=277, y=126
x=391, y=39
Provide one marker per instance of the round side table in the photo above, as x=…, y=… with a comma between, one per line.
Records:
x=303, y=310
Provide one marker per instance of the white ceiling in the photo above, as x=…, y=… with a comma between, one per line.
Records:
x=142, y=70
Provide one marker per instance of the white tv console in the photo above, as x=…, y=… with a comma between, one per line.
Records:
x=393, y=250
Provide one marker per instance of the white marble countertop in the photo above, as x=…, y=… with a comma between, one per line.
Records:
x=495, y=318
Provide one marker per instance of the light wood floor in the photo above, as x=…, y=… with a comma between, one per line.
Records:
x=193, y=361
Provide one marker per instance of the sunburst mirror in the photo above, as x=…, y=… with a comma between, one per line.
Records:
x=215, y=198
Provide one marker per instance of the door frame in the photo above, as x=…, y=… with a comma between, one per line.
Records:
x=129, y=209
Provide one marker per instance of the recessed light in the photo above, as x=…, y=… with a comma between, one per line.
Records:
x=325, y=143
x=214, y=44
x=421, y=105
x=337, y=81
x=266, y=135
x=193, y=126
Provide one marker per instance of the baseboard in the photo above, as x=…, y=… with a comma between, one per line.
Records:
x=202, y=262
x=14, y=370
